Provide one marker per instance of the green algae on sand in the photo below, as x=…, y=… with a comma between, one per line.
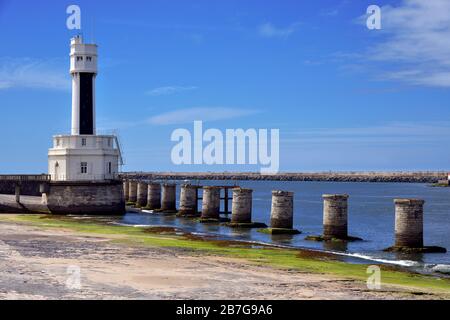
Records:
x=266, y=255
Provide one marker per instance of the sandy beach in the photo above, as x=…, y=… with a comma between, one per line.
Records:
x=36, y=263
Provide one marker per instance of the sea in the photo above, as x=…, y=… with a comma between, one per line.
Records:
x=371, y=217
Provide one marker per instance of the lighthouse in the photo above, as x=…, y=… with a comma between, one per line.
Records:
x=83, y=165
x=83, y=155
x=83, y=69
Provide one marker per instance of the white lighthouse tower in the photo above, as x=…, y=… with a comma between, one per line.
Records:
x=83, y=155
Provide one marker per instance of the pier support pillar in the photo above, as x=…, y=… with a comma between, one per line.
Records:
x=241, y=206
x=168, y=203
x=409, y=228
x=188, y=201
x=335, y=216
x=132, y=191
x=17, y=192
x=126, y=188
x=211, y=204
x=409, y=223
x=142, y=191
x=154, y=196
x=282, y=214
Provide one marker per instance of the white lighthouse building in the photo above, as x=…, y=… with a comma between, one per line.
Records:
x=83, y=155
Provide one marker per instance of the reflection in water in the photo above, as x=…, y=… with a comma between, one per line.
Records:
x=417, y=257
x=285, y=239
x=240, y=232
x=341, y=246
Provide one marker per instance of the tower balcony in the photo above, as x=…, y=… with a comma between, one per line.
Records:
x=87, y=142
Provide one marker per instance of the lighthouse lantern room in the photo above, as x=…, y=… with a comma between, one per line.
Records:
x=83, y=155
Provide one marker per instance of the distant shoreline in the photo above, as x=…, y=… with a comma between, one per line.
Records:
x=406, y=177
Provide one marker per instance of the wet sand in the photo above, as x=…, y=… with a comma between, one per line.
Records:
x=35, y=263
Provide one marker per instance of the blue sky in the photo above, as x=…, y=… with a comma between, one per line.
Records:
x=344, y=97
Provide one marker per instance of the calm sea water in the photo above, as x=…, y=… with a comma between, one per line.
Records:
x=371, y=217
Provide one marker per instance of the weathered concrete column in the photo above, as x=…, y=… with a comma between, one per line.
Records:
x=188, y=200
x=142, y=191
x=17, y=192
x=132, y=191
x=168, y=202
x=211, y=203
x=154, y=196
x=126, y=189
x=241, y=206
x=282, y=213
x=335, y=217
x=409, y=223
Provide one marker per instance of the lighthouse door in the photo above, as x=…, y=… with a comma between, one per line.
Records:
x=56, y=171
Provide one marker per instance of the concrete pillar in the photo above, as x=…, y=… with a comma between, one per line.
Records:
x=154, y=196
x=225, y=200
x=211, y=203
x=17, y=192
x=126, y=188
x=132, y=191
x=335, y=217
x=241, y=206
x=168, y=202
x=142, y=191
x=409, y=223
x=282, y=214
x=188, y=200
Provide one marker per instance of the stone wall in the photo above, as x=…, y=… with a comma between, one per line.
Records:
x=105, y=198
x=27, y=188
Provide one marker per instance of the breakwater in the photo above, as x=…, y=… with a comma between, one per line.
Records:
x=408, y=177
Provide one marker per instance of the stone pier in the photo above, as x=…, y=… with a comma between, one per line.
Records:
x=409, y=223
x=210, y=204
x=282, y=213
x=132, y=191
x=241, y=210
x=188, y=201
x=335, y=216
x=168, y=202
x=335, y=219
x=142, y=191
x=126, y=189
x=17, y=192
x=154, y=196
x=85, y=197
x=241, y=206
x=409, y=227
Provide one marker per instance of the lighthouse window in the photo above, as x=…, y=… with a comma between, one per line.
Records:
x=79, y=58
x=83, y=142
x=84, y=167
x=89, y=58
x=109, y=167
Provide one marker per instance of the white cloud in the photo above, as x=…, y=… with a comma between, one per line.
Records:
x=268, y=30
x=169, y=90
x=33, y=73
x=415, y=42
x=203, y=114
